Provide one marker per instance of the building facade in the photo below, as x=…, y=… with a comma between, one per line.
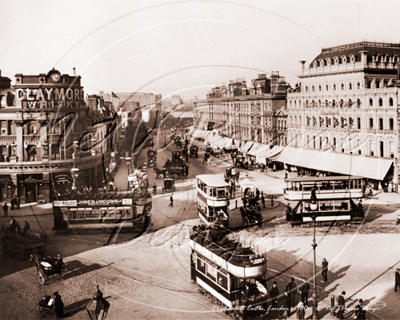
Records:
x=255, y=113
x=347, y=101
x=45, y=128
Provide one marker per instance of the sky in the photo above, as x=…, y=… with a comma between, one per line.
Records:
x=181, y=47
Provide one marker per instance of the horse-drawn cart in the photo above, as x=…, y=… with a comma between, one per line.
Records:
x=20, y=244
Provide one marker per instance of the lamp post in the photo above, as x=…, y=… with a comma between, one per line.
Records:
x=98, y=307
x=128, y=162
x=314, y=214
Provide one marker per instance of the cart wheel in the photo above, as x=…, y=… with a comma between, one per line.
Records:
x=41, y=277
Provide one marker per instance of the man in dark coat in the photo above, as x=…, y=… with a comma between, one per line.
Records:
x=274, y=293
x=290, y=294
x=5, y=209
x=341, y=306
x=262, y=199
x=303, y=291
x=397, y=279
x=325, y=269
x=58, y=306
x=171, y=203
x=359, y=312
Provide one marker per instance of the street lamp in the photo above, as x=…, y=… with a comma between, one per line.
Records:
x=98, y=307
x=128, y=162
x=74, y=174
x=314, y=213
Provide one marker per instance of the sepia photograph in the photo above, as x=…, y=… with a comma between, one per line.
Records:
x=199, y=159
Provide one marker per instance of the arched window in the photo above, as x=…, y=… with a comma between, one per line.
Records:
x=334, y=87
x=350, y=103
x=333, y=103
x=312, y=88
x=350, y=86
x=380, y=102
x=358, y=103
x=327, y=87
x=371, y=102
x=306, y=89
x=391, y=102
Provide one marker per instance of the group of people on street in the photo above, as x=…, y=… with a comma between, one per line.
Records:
x=15, y=227
x=15, y=204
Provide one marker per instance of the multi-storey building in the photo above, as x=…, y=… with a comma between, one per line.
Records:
x=255, y=113
x=44, y=133
x=347, y=101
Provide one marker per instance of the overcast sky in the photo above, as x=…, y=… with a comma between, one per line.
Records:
x=181, y=47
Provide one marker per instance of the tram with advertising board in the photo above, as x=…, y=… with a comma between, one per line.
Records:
x=212, y=199
x=339, y=199
x=103, y=209
x=231, y=275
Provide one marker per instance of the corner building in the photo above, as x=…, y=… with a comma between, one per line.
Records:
x=40, y=118
x=347, y=101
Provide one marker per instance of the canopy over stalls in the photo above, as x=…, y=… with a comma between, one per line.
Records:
x=354, y=165
x=254, y=148
x=246, y=147
x=246, y=183
x=272, y=153
x=228, y=143
x=214, y=141
x=260, y=153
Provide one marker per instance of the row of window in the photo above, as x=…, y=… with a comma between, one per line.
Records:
x=344, y=122
x=219, y=192
x=333, y=86
x=334, y=103
x=100, y=213
x=342, y=144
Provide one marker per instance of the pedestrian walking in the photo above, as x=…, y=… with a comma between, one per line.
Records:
x=341, y=306
x=154, y=188
x=274, y=293
x=257, y=194
x=290, y=293
x=5, y=209
x=171, y=201
x=262, y=199
x=58, y=305
x=300, y=310
x=27, y=228
x=397, y=280
x=12, y=202
x=359, y=312
x=303, y=291
x=325, y=269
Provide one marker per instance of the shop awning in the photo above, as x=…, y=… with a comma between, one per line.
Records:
x=214, y=141
x=273, y=152
x=246, y=147
x=354, y=165
x=254, y=148
x=260, y=153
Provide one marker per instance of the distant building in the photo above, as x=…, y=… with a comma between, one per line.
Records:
x=251, y=113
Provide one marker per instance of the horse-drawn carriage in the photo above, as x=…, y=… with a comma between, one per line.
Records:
x=241, y=162
x=251, y=212
x=151, y=157
x=231, y=174
x=176, y=156
x=194, y=152
x=47, y=268
x=216, y=152
x=178, y=142
x=169, y=185
x=177, y=169
x=19, y=244
x=160, y=173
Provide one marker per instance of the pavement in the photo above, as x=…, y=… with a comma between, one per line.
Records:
x=148, y=278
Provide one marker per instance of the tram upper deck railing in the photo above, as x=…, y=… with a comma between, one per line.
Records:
x=228, y=254
x=105, y=195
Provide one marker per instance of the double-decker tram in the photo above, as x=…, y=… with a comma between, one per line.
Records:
x=212, y=199
x=102, y=210
x=231, y=275
x=338, y=199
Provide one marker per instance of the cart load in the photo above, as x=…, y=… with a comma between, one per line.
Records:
x=20, y=244
x=194, y=151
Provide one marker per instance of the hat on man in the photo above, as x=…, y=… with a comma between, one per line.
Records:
x=343, y=293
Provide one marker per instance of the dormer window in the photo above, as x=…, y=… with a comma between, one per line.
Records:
x=329, y=62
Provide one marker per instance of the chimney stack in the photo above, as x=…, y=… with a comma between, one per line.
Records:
x=74, y=70
x=303, y=62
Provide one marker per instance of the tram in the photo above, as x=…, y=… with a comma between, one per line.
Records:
x=231, y=275
x=339, y=198
x=212, y=199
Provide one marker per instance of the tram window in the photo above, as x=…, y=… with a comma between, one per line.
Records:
x=201, y=266
x=72, y=214
x=81, y=213
x=211, y=211
x=211, y=272
x=89, y=213
x=221, y=192
x=222, y=280
x=127, y=213
x=234, y=283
